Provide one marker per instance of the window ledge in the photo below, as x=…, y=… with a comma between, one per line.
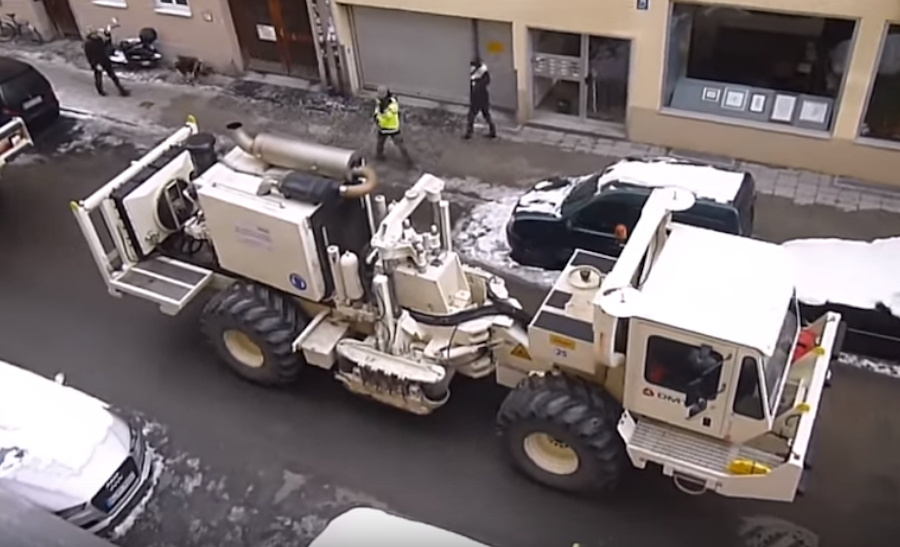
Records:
x=774, y=128
x=119, y=4
x=175, y=11
x=878, y=143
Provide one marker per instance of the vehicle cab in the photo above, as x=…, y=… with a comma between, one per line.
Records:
x=67, y=452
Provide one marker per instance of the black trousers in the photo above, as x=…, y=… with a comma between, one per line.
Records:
x=99, y=69
x=485, y=111
x=397, y=139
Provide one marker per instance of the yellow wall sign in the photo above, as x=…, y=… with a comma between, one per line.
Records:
x=520, y=352
x=562, y=341
x=494, y=48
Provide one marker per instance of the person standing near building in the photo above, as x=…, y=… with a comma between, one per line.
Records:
x=479, y=98
x=96, y=49
x=387, y=120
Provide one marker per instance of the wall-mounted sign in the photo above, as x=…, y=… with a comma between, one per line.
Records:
x=643, y=5
x=735, y=99
x=711, y=94
x=494, y=47
x=783, y=110
x=757, y=103
x=266, y=33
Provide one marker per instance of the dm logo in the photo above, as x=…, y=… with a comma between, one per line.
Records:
x=298, y=282
x=648, y=392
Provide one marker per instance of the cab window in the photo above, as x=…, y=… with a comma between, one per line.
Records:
x=675, y=365
x=748, y=400
x=606, y=212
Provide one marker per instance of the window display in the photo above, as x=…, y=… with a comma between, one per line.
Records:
x=770, y=67
x=882, y=115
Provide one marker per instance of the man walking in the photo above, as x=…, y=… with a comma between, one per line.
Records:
x=97, y=52
x=387, y=119
x=479, y=98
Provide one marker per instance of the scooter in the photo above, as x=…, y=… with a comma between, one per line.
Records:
x=137, y=52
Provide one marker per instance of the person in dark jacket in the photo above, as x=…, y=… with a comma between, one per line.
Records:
x=96, y=49
x=479, y=97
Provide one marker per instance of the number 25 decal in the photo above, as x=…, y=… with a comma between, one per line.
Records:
x=561, y=352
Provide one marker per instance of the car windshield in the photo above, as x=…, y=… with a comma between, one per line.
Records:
x=584, y=190
x=775, y=366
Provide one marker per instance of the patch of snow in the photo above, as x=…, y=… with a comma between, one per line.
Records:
x=155, y=473
x=481, y=236
x=47, y=427
x=885, y=368
x=544, y=199
x=859, y=274
x=704, y=181
x=766, y=531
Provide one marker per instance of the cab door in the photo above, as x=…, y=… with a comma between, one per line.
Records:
x=593, y=227
x=669, y=383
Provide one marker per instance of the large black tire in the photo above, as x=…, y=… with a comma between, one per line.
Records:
x=251, y=328
x=580, y=417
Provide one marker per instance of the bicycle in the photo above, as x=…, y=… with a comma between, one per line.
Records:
x=13, y=29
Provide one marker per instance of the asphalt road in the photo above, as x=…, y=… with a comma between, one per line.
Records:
x=248, y=466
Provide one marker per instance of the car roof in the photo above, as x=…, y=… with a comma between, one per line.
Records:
x=734, y=289
x=365, y=527
x=9, y=68
x=704, y=181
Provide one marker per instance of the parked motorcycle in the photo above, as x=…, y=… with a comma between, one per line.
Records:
x=139, y=52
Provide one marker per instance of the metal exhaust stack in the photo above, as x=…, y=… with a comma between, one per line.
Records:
x=329, y=161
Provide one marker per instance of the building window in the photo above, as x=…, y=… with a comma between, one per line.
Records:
x=110, y=3
x=756, y=66
x=882, y=118
x=177, y=7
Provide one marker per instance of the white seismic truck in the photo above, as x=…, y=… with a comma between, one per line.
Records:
x=14, y=138
x=683, y=352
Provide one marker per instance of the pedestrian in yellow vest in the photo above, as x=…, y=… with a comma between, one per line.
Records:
x=387, y=119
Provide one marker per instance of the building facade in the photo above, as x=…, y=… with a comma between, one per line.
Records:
x=808, y=84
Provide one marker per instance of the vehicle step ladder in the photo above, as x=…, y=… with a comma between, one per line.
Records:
x=170, y=283
x=660, y=441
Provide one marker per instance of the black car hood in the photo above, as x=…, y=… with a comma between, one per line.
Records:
x=547, y=196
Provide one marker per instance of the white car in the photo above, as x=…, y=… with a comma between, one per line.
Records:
x=67, y=452
x=367, y=527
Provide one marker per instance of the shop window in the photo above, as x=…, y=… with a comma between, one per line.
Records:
x=882, y=118
x=177, y=7
x=756, y=66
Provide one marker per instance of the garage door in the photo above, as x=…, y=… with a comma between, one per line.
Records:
x=428, y=56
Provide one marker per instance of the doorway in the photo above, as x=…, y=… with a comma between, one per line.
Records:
x=580, y=77
x=276, y=36
x=60, y=14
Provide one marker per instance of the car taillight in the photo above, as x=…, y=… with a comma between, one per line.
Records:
x=9, y=112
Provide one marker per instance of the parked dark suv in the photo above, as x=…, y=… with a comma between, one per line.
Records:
x=593, y=212
x=26, y=93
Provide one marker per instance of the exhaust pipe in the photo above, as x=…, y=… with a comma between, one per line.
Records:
x=308, y=157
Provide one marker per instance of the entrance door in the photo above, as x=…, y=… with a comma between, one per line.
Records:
x=276, y=36
x=582, y=76
x=60, y=14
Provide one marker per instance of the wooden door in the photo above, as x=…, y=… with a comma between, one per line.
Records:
x=60, y=13
x=276, y=36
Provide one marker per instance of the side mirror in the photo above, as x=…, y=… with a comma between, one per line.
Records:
x=60, y=378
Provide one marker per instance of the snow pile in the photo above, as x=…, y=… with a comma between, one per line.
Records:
x=481, y=237
x=47, y=426
x=858, y=274
x=366, y=526
x=158, y=464
x=885, y=368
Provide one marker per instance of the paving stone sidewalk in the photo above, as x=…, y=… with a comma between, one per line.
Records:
x=802, y=187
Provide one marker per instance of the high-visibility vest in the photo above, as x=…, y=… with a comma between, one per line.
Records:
x=389, y=118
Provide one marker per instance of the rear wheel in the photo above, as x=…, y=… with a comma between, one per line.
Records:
x=7, y=32
x=561, y=432
x=251, y=327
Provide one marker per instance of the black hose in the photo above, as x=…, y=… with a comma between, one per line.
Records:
x=496, y=307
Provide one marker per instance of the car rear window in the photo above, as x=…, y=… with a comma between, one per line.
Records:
x=18, y=89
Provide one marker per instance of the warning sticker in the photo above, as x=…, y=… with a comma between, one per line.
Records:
x=520, y=352
x=562, y=342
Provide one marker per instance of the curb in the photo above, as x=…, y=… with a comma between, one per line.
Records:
x=87, y=114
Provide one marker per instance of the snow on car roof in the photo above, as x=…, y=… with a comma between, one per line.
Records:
x=56, y=426
x=734, y=289
x=367, y=527
x=704, y=181
x=859, y=274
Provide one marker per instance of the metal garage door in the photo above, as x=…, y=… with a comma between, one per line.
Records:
x=414, y=53
x=495, y=47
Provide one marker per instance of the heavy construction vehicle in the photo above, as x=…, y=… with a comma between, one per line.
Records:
x=14, y=138
x=686, y=351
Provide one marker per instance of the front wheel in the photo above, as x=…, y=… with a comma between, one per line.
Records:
x=7, y=32
x=561, y=432
x=251, y=328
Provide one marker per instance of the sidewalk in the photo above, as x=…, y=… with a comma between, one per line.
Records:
x=432, y=133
